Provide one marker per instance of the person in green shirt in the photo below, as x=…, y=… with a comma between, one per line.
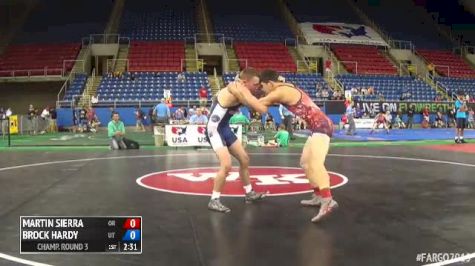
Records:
x=116, y=132
x=282, y=136
x=240, y=119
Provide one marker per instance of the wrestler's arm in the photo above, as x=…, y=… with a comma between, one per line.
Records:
x=270, y=99
x=245, y=97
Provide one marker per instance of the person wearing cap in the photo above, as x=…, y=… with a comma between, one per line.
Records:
x=461, y=116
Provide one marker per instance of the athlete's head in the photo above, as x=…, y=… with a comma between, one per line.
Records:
x=250, y=78
x=268, y=79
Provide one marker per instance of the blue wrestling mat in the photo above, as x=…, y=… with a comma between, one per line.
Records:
x=397, y=134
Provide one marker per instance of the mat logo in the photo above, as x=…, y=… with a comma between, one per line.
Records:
x=199, y=181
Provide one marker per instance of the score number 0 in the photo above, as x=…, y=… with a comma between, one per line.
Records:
x=131, y=236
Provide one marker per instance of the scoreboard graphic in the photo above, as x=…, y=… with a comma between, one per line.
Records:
x=91, y=234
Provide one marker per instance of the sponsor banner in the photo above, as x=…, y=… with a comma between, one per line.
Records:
x=14, y=124
x=192, y=135
x=277, y=181
x=340, y=33
x=404, y=106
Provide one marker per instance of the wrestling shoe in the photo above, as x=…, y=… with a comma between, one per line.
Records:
x=458, y=141
x=328, y=206
x=462, y=141
x=314, y=201
x=255, y=196
x=216, y=205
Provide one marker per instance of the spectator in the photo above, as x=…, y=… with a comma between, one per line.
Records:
x=199, y=118
x=439, y=119
x=451, y=118
x=381, y=97
x=33, y=119
x=204, y=111
x=325, y=94
x=162, y=112
x=4, y=122
x=398, y=121
x=270, y=122
x=83, y=119
x=139, y=118
x=192, y=111
x=370, y=91
x=53, y=116
x=282, y=137
x=179, y=114
x=45, y=115
x=181, y=78
x=431, y=68
x=116, y=131
x=366, y=115
x=152, y=117
x=470, y=118
x=410, y=117
x=287, y=118
x=203, y=96
x=328, y=67
x=240, y=119
x=350, y=115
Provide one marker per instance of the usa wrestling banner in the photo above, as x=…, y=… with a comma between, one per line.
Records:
x=341, y=33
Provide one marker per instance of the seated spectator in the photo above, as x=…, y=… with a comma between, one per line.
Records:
x=270, y=122
x=180, y=114
x=198, y=118
x=398, y=122
x=470, y=118
x=282, y=137
x=181, y=78
x=370, y=91
x=116, y=131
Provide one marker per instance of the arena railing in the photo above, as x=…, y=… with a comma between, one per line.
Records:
x=209, y=37
x=112, y=63
x=443, y=66
x=402, y=45
x=351, y=62
x=199, y=64
x=41, y=72
x=290, y=41
x=105, y=39
x=238, y=61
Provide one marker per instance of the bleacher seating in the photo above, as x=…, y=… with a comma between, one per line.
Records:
x=37, y=59
x=64, y=21
x=149, y=86
x=248, y=20
x=261, y=56
x=156, y=56
x=391, y=87
x=453, y=85
x=76, y=87
x=162, y=20
x=307, y=82
x=322, y=11
x=403, y=21
x=369, y=60
x=448, y=64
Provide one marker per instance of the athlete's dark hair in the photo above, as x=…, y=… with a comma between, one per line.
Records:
x=113, y=113
x=248, y=74
x=269, y=75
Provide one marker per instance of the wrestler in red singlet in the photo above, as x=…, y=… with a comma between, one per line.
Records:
x=317, y=121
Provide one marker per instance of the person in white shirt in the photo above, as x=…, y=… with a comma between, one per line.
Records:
x=45, y=116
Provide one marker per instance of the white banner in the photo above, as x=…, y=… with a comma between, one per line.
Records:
x=192, y=135
x=340, y=33
x=363, y=123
